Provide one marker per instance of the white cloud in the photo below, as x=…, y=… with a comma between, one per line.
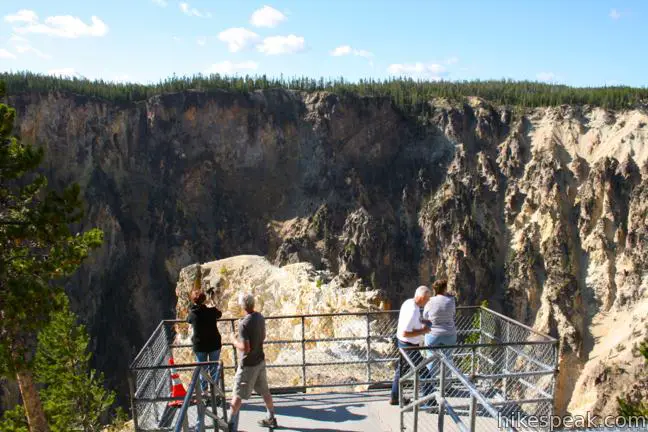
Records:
x=202, y=41
x=14, y=38
x=66, y=26
x=161, y=3
x=347, y=50
x=452, y=60
x=238, y=38
x=4, y=54
x=65, y=72
x=188, y=10
x=432, y=71
x=22, y=16
x=23, y=49
x=615, y=14
x=275, y=45
x=267, y=17
x=546, y=76
x=22, y=46
x=341, y=50
x=228, y=68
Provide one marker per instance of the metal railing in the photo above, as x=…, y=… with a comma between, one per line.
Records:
x=306, y=352
x=495, y=379
x=303, y=352
x=206, y=414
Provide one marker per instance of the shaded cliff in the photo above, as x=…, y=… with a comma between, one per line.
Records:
x=544, y=212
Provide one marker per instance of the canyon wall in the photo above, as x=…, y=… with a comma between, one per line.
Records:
x=542, y=212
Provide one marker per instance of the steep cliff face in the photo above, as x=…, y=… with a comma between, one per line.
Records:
x=544, y=213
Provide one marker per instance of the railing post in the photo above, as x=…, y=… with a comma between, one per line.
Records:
x=506, y=370
x=400, y=390
x=303, y=347
x=472, y=361
x=200, y=407
x=477, y=360
x=233, y=347
x=222, y=384
x=442, y=385
x=212, y=387
x=473, y=412
x=185, y=423
x=441, y=419
x=368, y=350
x=131, y=387
x=442, y=380
x=416, y=397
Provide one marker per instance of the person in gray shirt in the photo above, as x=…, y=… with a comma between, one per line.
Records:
x=439, y=317
x=251, y=372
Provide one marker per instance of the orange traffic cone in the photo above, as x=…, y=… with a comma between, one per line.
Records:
x=177, y=389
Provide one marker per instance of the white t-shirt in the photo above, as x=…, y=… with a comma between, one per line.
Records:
x=440, y=311
x=409, y=319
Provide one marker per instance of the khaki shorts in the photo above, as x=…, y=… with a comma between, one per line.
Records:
x=250, y=378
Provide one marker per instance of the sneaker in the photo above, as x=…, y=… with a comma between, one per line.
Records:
x=270, y=422
x=406, y=401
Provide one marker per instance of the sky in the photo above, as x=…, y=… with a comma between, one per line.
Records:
x=574, y=42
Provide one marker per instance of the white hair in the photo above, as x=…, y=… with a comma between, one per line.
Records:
x=246, y=301
x=422, y=291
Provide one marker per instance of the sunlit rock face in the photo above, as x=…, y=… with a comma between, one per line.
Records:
x=543, y=213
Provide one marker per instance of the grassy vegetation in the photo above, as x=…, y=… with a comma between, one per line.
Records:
x=407, y=93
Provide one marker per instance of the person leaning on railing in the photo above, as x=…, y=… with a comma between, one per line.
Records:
x=439, y=316
x=206, y=338
x=410, y=333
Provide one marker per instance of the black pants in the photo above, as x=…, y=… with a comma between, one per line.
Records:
x=402, y=366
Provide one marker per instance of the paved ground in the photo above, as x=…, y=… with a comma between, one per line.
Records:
x=340, y=412
x=327, y=412
x=334, y=412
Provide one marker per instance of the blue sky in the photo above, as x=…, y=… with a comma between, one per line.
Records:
x=576, y=42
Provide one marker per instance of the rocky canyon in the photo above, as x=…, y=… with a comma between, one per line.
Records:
x=543, y=212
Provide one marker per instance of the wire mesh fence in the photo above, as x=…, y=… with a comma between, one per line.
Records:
x=303, y=353
x=358, y=351
x=498, y=376
x=314, y=351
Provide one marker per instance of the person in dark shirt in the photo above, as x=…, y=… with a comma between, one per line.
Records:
x=206, y=339
x=251, y=372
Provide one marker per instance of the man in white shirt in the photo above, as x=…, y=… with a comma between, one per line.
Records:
x=410, y=333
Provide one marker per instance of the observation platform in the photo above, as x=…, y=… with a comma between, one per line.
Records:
x=331, y=372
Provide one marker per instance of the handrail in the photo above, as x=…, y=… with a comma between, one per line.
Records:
x=379, y=325
x=148, y=341
x=187, y=400
x=318, y=315
x=459, y=375
x=200, y=371
x=177, y=365
x=443, y=402
x=519, y=324
x=480, y=345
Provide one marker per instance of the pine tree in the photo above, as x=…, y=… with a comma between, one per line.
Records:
x=36, y=247
x=14, y=420
x=73, y=396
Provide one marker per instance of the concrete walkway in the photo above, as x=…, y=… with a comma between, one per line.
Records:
x=334, y=412
x=325, y=412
